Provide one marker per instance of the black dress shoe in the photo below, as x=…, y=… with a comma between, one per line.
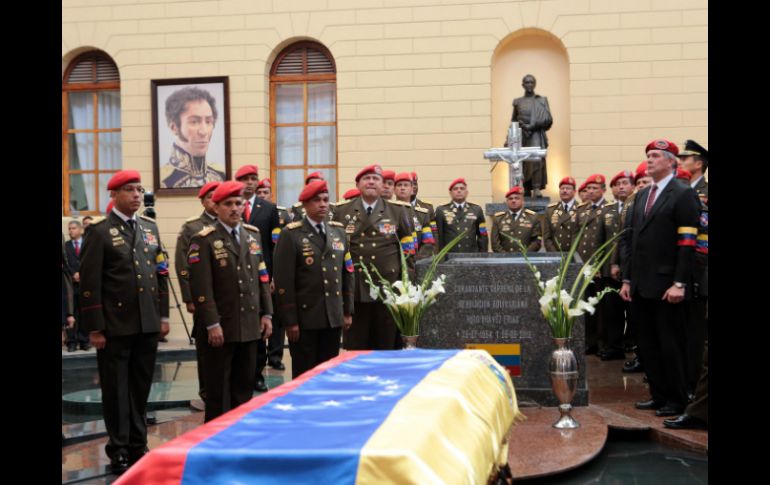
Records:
x=669, y=410
x=136, y=456
x=119, y=464
x=650, y=404
x=612, y=355
x=685, y=421
x=260, y=386
x=85, y=346
x=277, y=365
x=633, y=366
x=72, y=347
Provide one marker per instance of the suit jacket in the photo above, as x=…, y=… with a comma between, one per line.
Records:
x=527, y=229
x=375, y=240
x=190, y=228
x=230, y=284
x=314, y=280
x=559, y=227
x=658, y=249
x=264, y=216
x=450, y=222
x=73, y=260
x=123, y=277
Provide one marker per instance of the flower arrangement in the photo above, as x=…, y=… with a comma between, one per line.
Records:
x=407, y=301
x=559, y=307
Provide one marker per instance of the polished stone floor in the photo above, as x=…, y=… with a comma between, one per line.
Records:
x=616, y=443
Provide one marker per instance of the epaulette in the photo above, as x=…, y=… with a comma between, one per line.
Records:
x=98, y=220
x=530, y=212
x=280, y=208
x=423, y=201
x=148, y=218
x=294, y=225
x=191, y=219
x=554, y=204
x=336, y=223
x=297, y=205
x=588, y=202
x=421, y=209
x=501, y=213
x=206, y=231
x=400, y=202
x=251, y=228
x=342, y=202
x=471, y=204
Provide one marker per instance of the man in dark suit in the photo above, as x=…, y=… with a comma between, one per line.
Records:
x=231, y=289
x=262, y=214
x=75, y=335
x=657, y=256
x=124, y=306
x=314, y=278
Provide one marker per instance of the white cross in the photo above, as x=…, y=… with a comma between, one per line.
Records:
x=514, y=154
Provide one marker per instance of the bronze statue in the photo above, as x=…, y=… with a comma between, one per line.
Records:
x=534, y=116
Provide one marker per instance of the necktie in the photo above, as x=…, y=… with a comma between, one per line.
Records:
x=566, y=207
x=321, y=232
x=650, y=199
x=247, y=211
x=368, y=211
x=131, y=224
x=77, y=248
x=234, y=233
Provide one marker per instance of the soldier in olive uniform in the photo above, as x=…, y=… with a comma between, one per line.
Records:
x=424, y=204
x=297, y=211
x=560, y=219
x=314, y=282
x=377, y=231
x=458, y=216
x=230, y=285
x=519, y=223
x=695, y=159
x=601, y=220
x=191, y=227
x=424, y=239
x=124, y=295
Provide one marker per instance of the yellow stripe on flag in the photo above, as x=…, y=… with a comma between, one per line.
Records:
x=497, y=349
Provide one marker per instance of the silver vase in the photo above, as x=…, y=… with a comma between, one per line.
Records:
x=410, y=341
x=564, y=377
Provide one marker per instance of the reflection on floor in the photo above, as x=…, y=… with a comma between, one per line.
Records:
x=678, y=455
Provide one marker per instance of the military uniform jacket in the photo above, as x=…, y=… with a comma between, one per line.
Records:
x=700, y=271
x=559, y=226
x=450, y=222
x=264, y=216
x=230, y=284
x=191, y=227
x=702, y=189
x=425, y=238
x=601, y=225
x=123, y=277
x=375, y=239
x=627, y=207
x=527, y=229
x=314, y=280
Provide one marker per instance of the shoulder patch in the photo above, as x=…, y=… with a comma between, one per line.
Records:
x=342, y=202
x=335, y=223
x=281, y=208
x=421, y=209
x=98, y=220
x=423, y=201
x=399, y=202
x=147, y=218
x=251, y=228
x=584, y=204
x=501, y=213
x=206, y=231
x=530, y=212
x=554, y=204
x=297, y=204
x=294, y=225
x=191, y=219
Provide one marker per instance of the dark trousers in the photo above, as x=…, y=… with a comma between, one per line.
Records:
x=201, y=336
x=75, y=336
x=373, y=328
x=660, y=338
x=700, y=406
x=612, y=316
x=229, y=376
x=592, y=321
x=697, y=333
x=126, y=366
x=312, y=348
x=261, y=360
x=275, y=343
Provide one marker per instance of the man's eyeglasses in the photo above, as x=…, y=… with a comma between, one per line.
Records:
x=130, y=188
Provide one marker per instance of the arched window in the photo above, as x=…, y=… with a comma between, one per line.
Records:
x=91, y=146
x=303, y=119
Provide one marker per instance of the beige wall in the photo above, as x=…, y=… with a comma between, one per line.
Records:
x=415, y=78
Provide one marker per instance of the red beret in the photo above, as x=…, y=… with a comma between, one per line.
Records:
x=122, y=178
x=641, y=170
x=568, y=181
x=683, y=174
x=246, y=170
x=662, y=144
x=312, y=189
x=208, y=188
x=596, y=179
x=351, y=194
x=622, y=174
x=460, y=180
x=583, y=186
x=514, y=190
x=264, y=184
x=388, y=175
x=109, y=207
x=227, y=189
x=375, y=169
x=403, y=177
x=414, y=176
x=314, y=175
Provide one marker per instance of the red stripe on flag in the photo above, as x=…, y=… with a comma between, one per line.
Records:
x=513, y=370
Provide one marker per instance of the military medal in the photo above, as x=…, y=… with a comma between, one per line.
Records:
x=223, y=262
x=218, y=244
x=113, y=231
x=309, y=260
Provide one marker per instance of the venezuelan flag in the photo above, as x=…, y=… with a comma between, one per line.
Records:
x=427, y=236
x=275, y=234
x=507, y=355
x=417, y=416
x=407, y=245
x=687, y=236
x=263, y=276
x=161, y=264
x=482, y=229
x=702, y=245
x=348, y=263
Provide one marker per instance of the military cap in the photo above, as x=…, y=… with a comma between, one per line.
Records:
x=375, y=169
x=122, y=178
x=661, y=144
x=351, y=194
x=583, y=186
x=514, y=190
x=227, y=189
x=314, y=175
x=312, y=189
x=459, y=180
x=692, y=148
x=388, y=175
x=622, y=174
x=265, y=184
x=208, y=188
x=246, y=170
x=403, y=177
x=568, y=181
x=596, y=179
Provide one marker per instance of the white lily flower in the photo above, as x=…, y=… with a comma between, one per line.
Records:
x=588, y=271
x=593, y=301
x=565, y=297
x=373, y=292
x=399, y=285
x=574, y=312
x=586, y=306
x=550, y=285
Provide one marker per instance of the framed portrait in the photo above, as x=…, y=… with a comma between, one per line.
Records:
x=190, y=133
